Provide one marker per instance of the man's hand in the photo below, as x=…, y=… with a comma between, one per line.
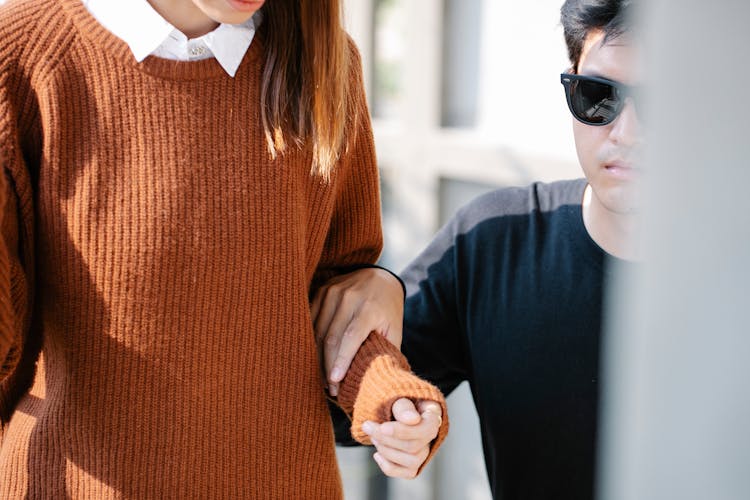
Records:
x=346, y=309
x=404, y=444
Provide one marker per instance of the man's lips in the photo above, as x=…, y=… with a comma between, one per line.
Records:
x=621, y=168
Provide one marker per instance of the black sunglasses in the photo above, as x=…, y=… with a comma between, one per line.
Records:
x=592, y=100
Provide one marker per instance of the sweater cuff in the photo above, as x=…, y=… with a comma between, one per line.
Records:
x=378, y=377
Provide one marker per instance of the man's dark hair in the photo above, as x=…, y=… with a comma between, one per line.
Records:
x=579, y=17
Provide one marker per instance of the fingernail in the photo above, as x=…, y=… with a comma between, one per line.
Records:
x=412, y=415
x=368, y=428
x=376, y=456
x=435, y=411
x=337, y=374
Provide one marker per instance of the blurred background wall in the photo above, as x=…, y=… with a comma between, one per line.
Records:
x=465, y=97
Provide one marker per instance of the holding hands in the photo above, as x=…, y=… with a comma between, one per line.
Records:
x=345, y=312
x=346, y=309
x=403, y=444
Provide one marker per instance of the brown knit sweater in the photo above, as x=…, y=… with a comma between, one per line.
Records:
x=162, y=262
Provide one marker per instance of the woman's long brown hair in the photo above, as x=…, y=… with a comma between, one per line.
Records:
x=306, y=82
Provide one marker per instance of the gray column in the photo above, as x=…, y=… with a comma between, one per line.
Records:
x=678, y=385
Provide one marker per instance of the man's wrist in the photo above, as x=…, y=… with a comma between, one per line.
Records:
x=357, y=267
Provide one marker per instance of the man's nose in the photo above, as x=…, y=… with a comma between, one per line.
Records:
x=626, y=129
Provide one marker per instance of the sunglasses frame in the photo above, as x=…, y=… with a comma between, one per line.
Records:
x=624, y=91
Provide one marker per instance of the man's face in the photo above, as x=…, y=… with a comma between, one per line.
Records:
x=610, y=155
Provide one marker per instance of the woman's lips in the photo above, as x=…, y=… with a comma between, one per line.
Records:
x=245, y=5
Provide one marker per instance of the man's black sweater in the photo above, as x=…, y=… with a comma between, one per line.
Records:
x=508, y=296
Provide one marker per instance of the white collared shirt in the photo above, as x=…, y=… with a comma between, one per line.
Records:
x=147, y=33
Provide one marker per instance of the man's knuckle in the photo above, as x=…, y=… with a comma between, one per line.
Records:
x=413, y=462
x=324, y=293
x=331, y=341
x=351, y=334
x=366, y=302
x=415, y=447
x=348, y=295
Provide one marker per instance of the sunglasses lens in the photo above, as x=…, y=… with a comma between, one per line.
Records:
x=594, y=102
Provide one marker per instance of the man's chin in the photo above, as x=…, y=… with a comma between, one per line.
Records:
x=623, y=200
x=625, y=207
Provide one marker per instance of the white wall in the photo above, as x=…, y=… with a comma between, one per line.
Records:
x=523, y=54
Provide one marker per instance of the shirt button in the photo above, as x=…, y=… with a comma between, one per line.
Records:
x=197, y=50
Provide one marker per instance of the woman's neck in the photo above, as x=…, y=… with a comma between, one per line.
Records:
x=185, y=16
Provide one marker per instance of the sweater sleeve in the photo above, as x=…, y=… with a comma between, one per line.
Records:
x=354, y=237
x=14, y=291
x=379, y=374
x=16, y=253
x=9, y=342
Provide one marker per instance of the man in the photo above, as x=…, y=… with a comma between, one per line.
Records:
x=508, y=296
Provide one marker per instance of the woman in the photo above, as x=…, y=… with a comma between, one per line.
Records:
x=164, y=222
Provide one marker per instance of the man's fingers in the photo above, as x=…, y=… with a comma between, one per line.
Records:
x=322, y=310
x=327, y=306
x=405, y=412
x=329, y=328
x=431, y=412
x=406, y=438
x=424, y=405
x=322, y=294
x=426, y=429
x=392, y=470
x=410, y=461
x=346, y=310
x=353, y=334
x=345, y=307
x=335, y=362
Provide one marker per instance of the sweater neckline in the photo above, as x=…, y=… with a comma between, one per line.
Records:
x=104, y=40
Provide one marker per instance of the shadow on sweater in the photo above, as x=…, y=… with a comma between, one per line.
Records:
x=120, y=401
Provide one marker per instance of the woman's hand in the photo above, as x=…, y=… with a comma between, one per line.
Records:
x=346, y=309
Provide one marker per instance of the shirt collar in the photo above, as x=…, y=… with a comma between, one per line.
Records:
x=145, y=31
x=229, y=42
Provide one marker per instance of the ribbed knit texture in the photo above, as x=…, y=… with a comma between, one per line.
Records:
x=163, y=262
x=380, y=377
